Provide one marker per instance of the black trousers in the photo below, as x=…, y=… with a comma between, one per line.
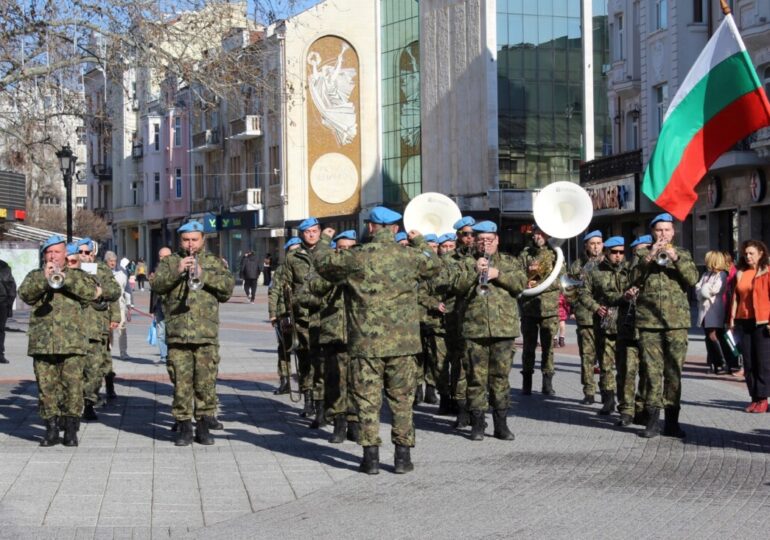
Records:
x=250, y=286
x=4, y=308
x=754, y=343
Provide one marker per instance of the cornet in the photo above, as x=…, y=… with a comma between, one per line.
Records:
x=56, y=279
x=194, y=279
x=662, y=258
x=482, y=289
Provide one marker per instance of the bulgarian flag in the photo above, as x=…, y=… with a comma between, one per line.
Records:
x=720, y=102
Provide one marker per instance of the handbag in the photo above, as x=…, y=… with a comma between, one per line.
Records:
x=732, y=345
x=152, y=334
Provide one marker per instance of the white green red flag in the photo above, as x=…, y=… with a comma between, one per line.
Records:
x=720, y=102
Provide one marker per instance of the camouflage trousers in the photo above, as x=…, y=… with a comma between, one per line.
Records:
x=96, y=359
x=339, y=380
x=60, y=385
x=456, y=362
x=590, y=346
x=397, y=375
x=630, y=400
x=310, y=360
x=662, y=354
x=193, y=370
x=607, y=377
x=489, y=365
x=532, y=328
x=284, y=361
x=434, y=357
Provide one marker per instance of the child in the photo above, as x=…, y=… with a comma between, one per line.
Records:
x=564, y=313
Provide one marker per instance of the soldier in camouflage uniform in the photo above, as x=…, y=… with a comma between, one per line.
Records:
x=57, y=342
x=298, y=266
x=490, y=323
x=449, y=325
x=663, y=318
x=192, y=330
x=99, y=319
x=603, y=294
x=383, y=335
x=588, y=334
x=539, y=313
x=277, y=309
x=430, y=330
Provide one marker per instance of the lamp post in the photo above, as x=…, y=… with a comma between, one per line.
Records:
x=67, y=165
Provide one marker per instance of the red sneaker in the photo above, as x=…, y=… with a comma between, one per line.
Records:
x=751, y=407
x=761, y=406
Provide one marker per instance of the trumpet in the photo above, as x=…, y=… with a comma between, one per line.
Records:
x=194, y=279
x=482, y=289
x=662, y=258
x=56, y=279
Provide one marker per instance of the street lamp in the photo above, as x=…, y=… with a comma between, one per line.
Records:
x=67, y=165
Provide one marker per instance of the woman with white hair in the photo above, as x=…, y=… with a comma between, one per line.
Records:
x=120, y=275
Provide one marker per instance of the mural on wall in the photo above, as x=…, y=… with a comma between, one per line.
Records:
x=409, y=93
x=333, y=143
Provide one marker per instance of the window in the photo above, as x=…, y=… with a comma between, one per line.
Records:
x=198, y=182
x=661, y=103
x=156, y=187
x=177, y=131
x=698, y=11
x=632, y=131
x=81, y=202
x=619, y=53
x=275, y=173
x=661, y=14
x=136, y=195
x=156, y=137
x=178, y=183
x=235, y=173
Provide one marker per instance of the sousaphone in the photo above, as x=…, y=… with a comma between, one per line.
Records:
x=431, y=213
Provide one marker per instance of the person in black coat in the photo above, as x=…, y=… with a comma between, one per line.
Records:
x=7, y=296
x=250, y=274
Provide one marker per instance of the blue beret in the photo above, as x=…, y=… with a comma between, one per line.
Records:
x=614, y=241
x=593, y=234
x=191, y=226
x=306, y=224
x=293, y=241
x=431, y=238
x=448, y=237
x=665, y=216
x=400, y=236
x=466, y=221
x=52, y=241
x=86, y=242
x=485, y=227
x=333, y=244
x=383, y=216
x=72, y=248
x=645, y=239
x=346, y=235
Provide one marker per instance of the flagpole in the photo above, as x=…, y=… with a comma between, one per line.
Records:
x=725, y=7
x=587, y=23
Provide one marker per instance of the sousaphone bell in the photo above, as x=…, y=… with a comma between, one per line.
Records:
x=431, y=213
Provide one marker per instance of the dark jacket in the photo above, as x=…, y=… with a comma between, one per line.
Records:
x=7, y=283
x=250, y=267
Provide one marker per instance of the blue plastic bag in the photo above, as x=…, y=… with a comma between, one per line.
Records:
x=152, y=334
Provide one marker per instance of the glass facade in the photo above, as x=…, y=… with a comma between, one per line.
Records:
x=540, y=90
x=401, y=169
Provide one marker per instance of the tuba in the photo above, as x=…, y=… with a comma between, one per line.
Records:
x=561, y=210
x=431, y=213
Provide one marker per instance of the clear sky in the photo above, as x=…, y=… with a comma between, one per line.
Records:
x=281, y=8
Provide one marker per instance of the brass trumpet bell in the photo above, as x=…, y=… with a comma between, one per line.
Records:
x=569, y=286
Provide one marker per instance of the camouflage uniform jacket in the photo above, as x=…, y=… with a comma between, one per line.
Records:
x=332, y=309
x=545, y=304
x=381, y=304
x=192, y=317
x=495, y=315
x=59, y=318
x=98, y=313
x=430, y=294
x=299, y=270
x=605, y=286
x=276, y=305
x=662, y=303
x=578, y=270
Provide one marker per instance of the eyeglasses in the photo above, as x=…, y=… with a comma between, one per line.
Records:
x=617, y=251
x=73, y=261
x=84, y=252
x=465, y=233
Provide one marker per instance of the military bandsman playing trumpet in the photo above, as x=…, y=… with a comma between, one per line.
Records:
x=193, y=282
x=59, y=295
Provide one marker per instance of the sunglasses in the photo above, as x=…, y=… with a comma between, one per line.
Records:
x=617, y=251
x=73, y=261
x=84, y=252
x=465, y=233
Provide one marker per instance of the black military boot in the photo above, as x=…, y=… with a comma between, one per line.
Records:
x=548, y=384
x=652, y=428
x=175, y=427
x=463, y=417
x=340, y=427
x=625, y=420
x=477, y=425
x=430, y=395
x=354, y=430
x=526, y=384
x=444, y=405
x=640, y=417
x=213, y=423
x=402, y=460
x=88, y=411
x=609, y=403
x=371, y=462
x=70, y=431
x=184, y=434
x=308, y=411
x=109, y=384
x=320, y=416
x=202, y=435
x=671, y=423
x=588, y=400
x=418, y=395
x=283, y=387
x=51, y=436
x=500, y=419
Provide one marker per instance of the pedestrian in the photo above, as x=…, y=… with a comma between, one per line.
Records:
x=267, y=268
x=710, y=291
x=7, y=297
x=750, y=320
x=158, y=317
x=141, y=274
x=250, y=274
x=57, y=342
x=121, y=276
x=565, y=312
x=383, y=339
x=192, y=330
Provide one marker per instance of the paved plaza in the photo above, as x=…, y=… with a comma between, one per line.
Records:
x=568, y=474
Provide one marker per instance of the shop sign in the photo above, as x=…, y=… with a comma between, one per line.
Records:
x=613, y=197
x=238, y=220
x=757, y=185
x=3, y=213
x=210, y=222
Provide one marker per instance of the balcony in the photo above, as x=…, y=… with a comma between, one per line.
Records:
x=137, y=151
x=611, y=166
x=747, y=153
x=206, y=141
x=207, y=204
x=246, y=200
x=102, y=172
x=247, y=127
x=104, y=213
